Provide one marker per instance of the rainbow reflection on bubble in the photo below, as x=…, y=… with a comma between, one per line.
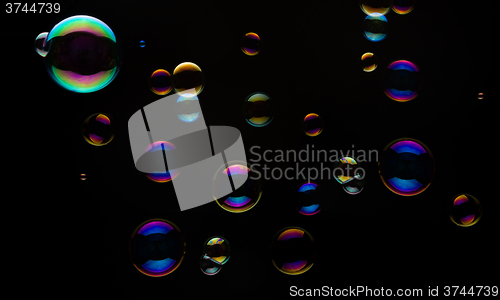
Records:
x=217, y=249
x=403, y=7
x=375, y=6
x=188, y=108
x=160, y=82
x=293, y=251
x=83, y=55
x=375, y=27
x=40, y=44
x=250, y=44
x=237, y=201
x=406, y=167
x=156, y=248
x=97, y=129
x=209, y=267
x=162, y=176
x=258, y=109
x=369, y=62
x=402, y=81
x=480, y=96
x=309, y=200
x=312, y=124
x=465, y=210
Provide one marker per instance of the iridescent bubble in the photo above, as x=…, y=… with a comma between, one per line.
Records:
x=98, y=129
x=40, y=47
x=83, y=177
x=402, y=81
x=217, y=250
x=345, y=169
x=369, y=62
x=406, y=167
x=250, y=44
x=157, y=247
x=309, y=199
x=243, y=198
x=188, y=108
x=142, y=44
x=293, y=250
x=188, y=76
x=403, y=7
x=375, y=27
x=161, y=176
x=258, y=109
x=480, y=96
x=159, y=82
x=354, y=186
x=465, y=210
x=312, y=124
x=375, y=6
x=209, y=267
x=83, y=54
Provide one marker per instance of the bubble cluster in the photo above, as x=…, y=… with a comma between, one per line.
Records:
x=40, y=47
x=309, y=199
x=369, y=62
x=98, y=129
x=375, y=6
x=188, y=76
x=188, y=110
x=293, y=250
x=160, y=82
x=402, y=81
x=161, y=176
x=246, y=195
x=375, y=27
x=403, y=7
x=258, y=109
x=312, y=125
x=250, y=44
x=82, y=54
x=406, y=167
x=465, y=210
x=157, y=247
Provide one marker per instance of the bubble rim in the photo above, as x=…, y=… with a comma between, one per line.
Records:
x=313, y=259
x=469, y=196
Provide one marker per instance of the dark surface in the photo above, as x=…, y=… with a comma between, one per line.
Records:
x=310, y=62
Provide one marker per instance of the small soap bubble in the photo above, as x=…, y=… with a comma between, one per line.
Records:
x=40, y=46
x=161, y=176
x=346, y=169
x=157, y=247
x=209, y=267
x=160, y=82
x=312, y=125
x=217, y=250
x=243, y=198
x=98, y=129
x=369, y=62
x=293, y=250
x=250, y=44
x=188, y=79
x=188, y=108
x=375, y=6
x=83, y=54
x=83, y=177
x=465, y=210
x=406, y=167
x=142, y=44
x=403, y=7
x=402, y=81
x=309, y=199
x=480, y=96
x=375, y=27
x=258, y=109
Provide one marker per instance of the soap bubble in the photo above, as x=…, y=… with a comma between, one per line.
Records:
x=83, y=54
x=403, y=7
x=369, y=62
x=98, y=129
x=375, y=27
x=40, y=47
x=188, y=110
x=188, y=79
x=159, y=82
x=142, y=44
x=157, y=149
x=375, y=6
x=309, y=199
x=258, y=109
x=217, y=249
x=209, y=267
x=465, y=210
x=293, y=250
x=312, y=124
x=402, y=81
x=480, y=96
x=157, y=247
x=250, y=44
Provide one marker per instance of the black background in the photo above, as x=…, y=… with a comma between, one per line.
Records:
x=310, y=62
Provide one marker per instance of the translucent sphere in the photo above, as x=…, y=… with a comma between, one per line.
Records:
x=188, y=108
x=369, y=62
x=312, y=124
x=208, y=267
x=293, y=250
x=83, y=55
x=160, y=82
x=246, y=195
x=142, y=44
x=375, y=27
x=250, y=44
x=98, y=129
x=156, y=149
x=40, y=46
x=375, y=6
x=346, y=169
x=258, y=109
x=465, y=210
x=402, y=81
x=480, y=96
x=217, y=249
x=406, y=167
x=309, y=199
x=188, y=77
x=403, y=7
x=156, y=247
